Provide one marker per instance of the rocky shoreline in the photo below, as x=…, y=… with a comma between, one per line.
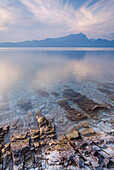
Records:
x=68, y=131
x=38, y=146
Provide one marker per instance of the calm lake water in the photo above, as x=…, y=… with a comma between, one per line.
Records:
x=55, y=64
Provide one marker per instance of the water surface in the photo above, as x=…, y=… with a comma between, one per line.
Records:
x=55, y=64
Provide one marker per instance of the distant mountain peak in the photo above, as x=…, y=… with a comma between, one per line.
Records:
x=72, y=40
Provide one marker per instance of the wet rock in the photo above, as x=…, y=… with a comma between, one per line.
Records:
x=37, y=114
x=60, y=153
x=72, y=114
x=87, y=131
x=6, y=159
x=6, y=129
x=1, y=136
x=105, y=91
x=26, y=105
x=111, y=121
x=111, y=97
x=18, y=136
x=83, y=102
x=1, y=129
x=18, y=167
x=19, y=150
x=47, y=129
x=17, y=123
x=83, y=124
x=1, y=147
x=110, y=164
x=35, y=135
x=73, y=134
x=54, y=93
x=31, y=122
x=7, y=147
x=43, y=143
x=42, y=121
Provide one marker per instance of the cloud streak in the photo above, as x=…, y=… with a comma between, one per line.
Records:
x=37, y=19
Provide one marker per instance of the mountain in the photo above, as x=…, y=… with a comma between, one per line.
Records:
x=72, y=40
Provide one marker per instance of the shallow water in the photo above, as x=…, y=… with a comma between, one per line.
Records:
x=26, y=71
x=47, y=65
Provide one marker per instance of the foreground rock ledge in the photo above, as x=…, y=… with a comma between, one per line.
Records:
x=38, y=146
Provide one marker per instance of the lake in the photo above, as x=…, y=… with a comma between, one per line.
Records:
x=25, y=71
x=47, y=65
x=53, y=101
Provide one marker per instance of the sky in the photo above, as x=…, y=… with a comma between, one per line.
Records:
x=22, y=20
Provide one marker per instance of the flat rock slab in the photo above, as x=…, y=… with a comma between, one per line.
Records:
x=87, y=132
x=73, y=134
x=89, y=106
x=25, y=105
x=71, y=114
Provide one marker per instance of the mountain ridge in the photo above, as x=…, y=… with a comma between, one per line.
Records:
x=72, y=40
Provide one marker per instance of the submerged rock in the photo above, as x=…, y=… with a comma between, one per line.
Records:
x=89, y=106
x=71, y=114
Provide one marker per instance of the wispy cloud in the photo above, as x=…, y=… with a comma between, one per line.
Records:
x=36, y=19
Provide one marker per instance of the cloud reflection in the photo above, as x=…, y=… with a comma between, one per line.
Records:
x=8, y=75
x=48, y=67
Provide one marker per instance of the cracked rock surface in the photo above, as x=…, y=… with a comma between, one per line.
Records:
x=57, y=127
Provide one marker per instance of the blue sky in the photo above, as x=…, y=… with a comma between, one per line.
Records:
x=39, y=19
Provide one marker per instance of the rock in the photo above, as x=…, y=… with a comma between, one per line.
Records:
x=25, y=105
x=42, y=121
x=72, y=114
x=48, y=130
x=3, y=151
x=36, y=145
x=19, y=149
x=17, y=123
x=18, y=167
x=73, y=134
x=42, y=143
x=1, y=137
x=6, y=159
x=6, y=129
x=87, y=132
x=35, y=135
x=105, y=91
x=83, y=102
x=111, y=97
x=110, y=164
x=19, y=136
x=7, y=147
x=82, y=124
x=1, y=129
x=54, y=93
x=1, y=146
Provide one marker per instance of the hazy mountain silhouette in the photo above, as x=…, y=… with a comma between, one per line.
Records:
x=72, y=40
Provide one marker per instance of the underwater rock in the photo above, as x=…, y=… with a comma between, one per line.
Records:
x=71, y=114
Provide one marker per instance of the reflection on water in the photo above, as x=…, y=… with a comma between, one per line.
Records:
x=48, y=65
